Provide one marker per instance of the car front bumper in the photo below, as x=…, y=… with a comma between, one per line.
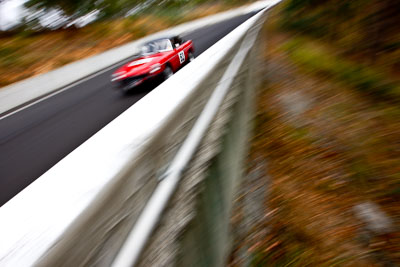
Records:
x=129, y=82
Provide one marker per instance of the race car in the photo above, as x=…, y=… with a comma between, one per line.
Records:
x=158, y=58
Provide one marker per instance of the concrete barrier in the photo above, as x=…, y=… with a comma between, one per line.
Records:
x=195, y=229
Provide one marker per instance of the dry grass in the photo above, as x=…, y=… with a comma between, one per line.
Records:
x=27, y=55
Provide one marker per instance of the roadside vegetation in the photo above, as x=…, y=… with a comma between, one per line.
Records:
x=30, y=49
x=326, y=146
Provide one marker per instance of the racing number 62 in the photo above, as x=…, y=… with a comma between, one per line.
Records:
x=181, y=57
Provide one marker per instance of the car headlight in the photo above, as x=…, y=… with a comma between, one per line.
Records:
x=118, y=75
x=154, y=68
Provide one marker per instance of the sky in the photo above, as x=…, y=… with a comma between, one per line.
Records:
x=11, y=11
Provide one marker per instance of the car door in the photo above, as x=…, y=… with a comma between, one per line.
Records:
x=181, y=54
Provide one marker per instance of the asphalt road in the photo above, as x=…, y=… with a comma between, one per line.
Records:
x=36, y=138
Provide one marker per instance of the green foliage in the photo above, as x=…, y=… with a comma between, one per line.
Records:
x=76, y=8
x=296, y=256
x=9, y=55
x=172, y=14
x=361, y=77
x=394, y=193
x=372, y=23
x=110, y=9
x=296, y=5
x=70, y=8
x=6, y=51
x=306, y=24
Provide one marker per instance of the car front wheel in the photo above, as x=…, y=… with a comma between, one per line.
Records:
x=167, y=72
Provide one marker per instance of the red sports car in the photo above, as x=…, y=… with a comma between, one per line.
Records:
x=158, y=58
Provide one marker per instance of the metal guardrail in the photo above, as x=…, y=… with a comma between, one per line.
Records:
x=81, y=211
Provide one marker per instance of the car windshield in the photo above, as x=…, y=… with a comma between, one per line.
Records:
x=157, y=46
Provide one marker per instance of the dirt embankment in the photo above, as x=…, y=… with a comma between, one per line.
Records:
x=324, y=166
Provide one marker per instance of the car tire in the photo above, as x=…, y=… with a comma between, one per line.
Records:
x=167, y=72
x=190, y=56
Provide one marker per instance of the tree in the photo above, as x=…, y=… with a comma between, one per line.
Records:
x=76, y=8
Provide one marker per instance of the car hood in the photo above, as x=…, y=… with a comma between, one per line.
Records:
x=139, y=66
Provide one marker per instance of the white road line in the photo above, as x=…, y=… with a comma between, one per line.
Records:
x=65, y=88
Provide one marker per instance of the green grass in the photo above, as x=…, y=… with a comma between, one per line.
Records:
x=9, y=56
x=314, y=58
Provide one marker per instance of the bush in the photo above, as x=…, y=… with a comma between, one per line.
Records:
x=361, y=77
